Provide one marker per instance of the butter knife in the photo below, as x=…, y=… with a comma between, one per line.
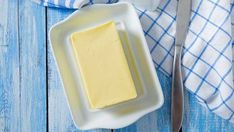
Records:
x=177, y=104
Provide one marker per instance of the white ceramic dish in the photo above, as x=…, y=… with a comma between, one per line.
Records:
x=149, y=91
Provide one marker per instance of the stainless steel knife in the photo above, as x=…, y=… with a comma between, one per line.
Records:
x=177, y=104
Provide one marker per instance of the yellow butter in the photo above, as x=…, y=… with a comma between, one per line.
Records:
x=103, y=65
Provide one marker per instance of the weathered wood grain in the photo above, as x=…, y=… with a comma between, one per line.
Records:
x=59, y=115
x=22, y=70
x=32, y=40
x=199, y=119
x=9, y=67
x=158, y=120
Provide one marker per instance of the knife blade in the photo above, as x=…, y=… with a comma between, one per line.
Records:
x=182, y=24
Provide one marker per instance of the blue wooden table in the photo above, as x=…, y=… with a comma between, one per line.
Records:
x=31, y=95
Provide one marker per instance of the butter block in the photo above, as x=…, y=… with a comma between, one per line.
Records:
x=103, y=65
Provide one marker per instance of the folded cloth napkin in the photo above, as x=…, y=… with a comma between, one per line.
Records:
x=207, y=62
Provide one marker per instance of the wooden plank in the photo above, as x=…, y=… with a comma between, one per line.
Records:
x=198, y=118
x=59, y=115
x=9, y=67
x=158, y=120
x=32, y=40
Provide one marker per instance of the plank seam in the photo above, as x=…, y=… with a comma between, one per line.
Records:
x=19, y=58
x=47, y=72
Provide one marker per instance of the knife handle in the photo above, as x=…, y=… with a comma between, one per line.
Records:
x=177, y=104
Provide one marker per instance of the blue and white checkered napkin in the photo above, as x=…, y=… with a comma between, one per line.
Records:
x=207, y=62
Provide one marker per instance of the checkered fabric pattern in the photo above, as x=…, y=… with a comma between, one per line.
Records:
x=207, y=60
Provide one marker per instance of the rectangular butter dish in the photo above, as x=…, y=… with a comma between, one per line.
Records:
x=148, y=88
